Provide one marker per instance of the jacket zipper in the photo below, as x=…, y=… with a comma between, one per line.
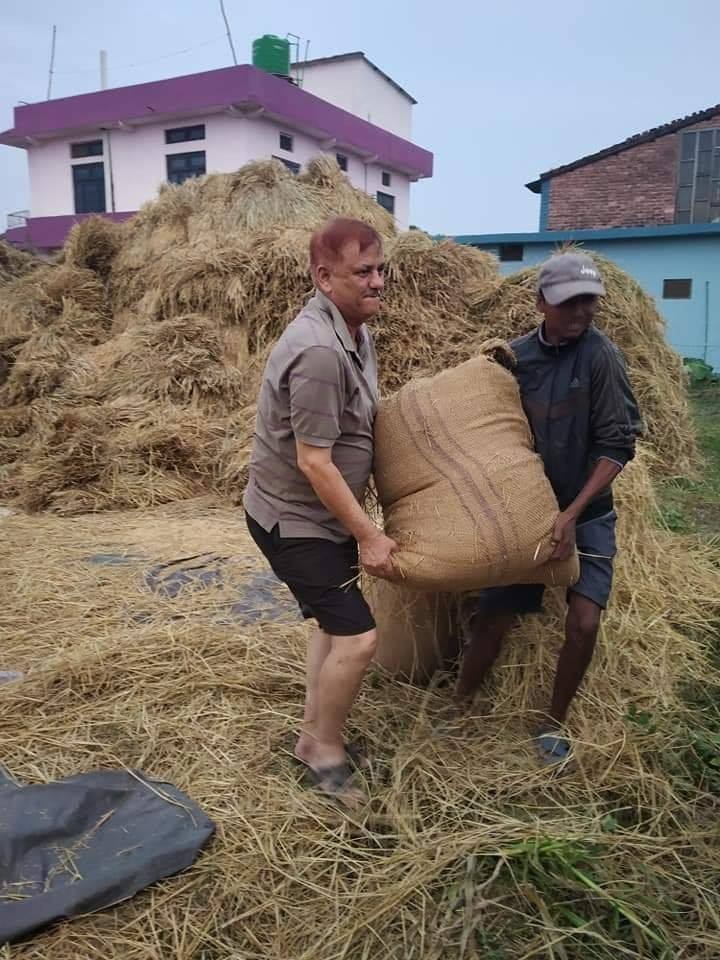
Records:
x=548, y=419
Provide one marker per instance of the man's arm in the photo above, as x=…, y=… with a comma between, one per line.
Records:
x=602, y=475
x=328, y=483
x=614, y=425
x=316, y=384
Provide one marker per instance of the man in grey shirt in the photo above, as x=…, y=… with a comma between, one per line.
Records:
x=310, y=465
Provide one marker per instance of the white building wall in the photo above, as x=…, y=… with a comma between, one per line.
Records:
x=139, y=164
x=357, y=88
x=51, y=188
x=399, y=188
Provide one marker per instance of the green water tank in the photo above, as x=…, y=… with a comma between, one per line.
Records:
x=272, y=54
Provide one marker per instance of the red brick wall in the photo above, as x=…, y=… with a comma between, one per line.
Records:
x=633, y=188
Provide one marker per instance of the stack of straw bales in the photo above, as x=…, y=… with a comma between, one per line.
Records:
x=129, y=366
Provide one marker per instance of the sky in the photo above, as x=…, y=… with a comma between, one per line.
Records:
x=505, y=90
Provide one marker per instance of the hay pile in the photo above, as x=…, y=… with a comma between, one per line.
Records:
x=467, y=850
x=129, y=367
x=132, y=365
x=14, y=263
x=629, y=316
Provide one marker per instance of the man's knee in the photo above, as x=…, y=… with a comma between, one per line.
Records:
x=360, y=648
x=483, y=629
x=583, y=620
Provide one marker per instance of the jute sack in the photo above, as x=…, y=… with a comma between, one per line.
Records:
x=462, y=490
x=414, y=630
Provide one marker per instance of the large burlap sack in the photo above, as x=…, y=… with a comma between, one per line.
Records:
x=462, y=490
x=415, y=636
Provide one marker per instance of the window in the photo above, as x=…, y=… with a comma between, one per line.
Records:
x=181, y=134
x=290, y=164
x=677, y=289
x=89, y=187
x=386, y=200
x=286, y=142
x=89, y=148
x=511, y=252
x=386, y=179
x=698, y=190
x=341, y=161
x=182, y=166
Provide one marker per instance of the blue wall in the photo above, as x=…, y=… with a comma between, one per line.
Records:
x=650, y=260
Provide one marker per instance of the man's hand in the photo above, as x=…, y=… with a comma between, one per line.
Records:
x=563, y=538
x=376, y=555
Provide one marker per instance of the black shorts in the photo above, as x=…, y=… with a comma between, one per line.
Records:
x=596, y=545
x=321, y=575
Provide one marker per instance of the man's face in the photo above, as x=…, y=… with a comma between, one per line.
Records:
x=570, y=319
x=354, y=282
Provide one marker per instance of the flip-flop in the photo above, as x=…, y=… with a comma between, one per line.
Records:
x=336, y=783
x=552, y=747
x=356, y=757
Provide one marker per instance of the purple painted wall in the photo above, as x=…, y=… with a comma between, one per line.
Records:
x=199, y=92
x=47, y=233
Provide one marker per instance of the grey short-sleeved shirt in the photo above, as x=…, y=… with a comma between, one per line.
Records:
x=320, y=387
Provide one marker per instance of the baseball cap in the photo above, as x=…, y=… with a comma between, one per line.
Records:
x=568, y=275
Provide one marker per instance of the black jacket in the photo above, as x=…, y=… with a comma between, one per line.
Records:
x=581, y=407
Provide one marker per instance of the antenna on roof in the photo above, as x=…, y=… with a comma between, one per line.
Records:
x=229, y=35
x=52, y=62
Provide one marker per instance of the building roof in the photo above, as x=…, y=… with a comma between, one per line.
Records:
x=240, y=91
x=663, y=231
x=356, y=55
x=634, y=141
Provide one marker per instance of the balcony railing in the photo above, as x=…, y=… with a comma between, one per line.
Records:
x=17, y=219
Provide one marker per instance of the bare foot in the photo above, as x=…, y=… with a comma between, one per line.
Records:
x=317, y=754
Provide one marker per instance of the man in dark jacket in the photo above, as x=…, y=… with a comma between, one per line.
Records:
x=584, y=418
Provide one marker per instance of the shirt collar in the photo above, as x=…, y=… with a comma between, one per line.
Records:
x=338, y=322
x=563, y=343
x=541, y=336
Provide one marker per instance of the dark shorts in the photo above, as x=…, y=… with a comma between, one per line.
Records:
x=321, y=575
x=596, y=546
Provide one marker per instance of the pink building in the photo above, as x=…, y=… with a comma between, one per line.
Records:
x=109, y=151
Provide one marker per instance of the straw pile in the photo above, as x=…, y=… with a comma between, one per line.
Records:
x=426, y=324
x=132, y=365
x=629, y=317
x=129, y=367
x=466, y=850
x=14, y=263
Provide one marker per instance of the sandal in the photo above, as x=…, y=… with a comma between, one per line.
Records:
x=356, y=757
x=553, y=747
x=336, y=783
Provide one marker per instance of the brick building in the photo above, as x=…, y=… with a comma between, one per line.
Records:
x=651, y=203
x=670, y=174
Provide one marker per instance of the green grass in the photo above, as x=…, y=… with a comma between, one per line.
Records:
x=693, y=506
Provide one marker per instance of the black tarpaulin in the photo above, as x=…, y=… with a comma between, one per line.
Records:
x=77, y=845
